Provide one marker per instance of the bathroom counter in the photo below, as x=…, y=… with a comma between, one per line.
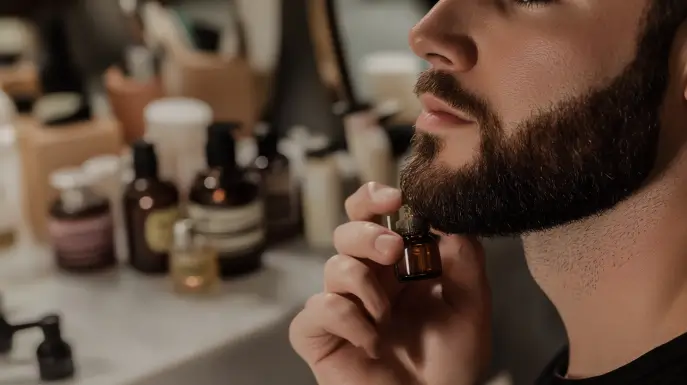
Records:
x=125, y=328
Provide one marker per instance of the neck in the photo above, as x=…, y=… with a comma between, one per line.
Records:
x=619, y=280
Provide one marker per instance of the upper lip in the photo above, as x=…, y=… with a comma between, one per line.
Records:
x=431, y=103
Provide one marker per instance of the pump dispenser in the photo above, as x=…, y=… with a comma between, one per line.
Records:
x=55, y=361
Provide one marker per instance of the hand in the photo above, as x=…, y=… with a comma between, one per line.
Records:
x=367, y=328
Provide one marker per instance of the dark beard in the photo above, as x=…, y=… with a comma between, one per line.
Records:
x=576, y=160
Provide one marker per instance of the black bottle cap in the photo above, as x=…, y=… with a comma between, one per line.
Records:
x=221, y=147
x=144, y=159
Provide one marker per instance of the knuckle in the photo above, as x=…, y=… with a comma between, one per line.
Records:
x=355, y=270
x=339, y=307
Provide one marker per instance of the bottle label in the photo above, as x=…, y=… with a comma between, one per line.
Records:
x=230, y=230
x=82, y=242
x=158, y=229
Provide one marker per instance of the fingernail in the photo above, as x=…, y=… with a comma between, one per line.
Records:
x=383, y=194
x=387, y=244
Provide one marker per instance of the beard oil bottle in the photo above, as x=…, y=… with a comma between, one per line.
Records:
x=421, y=258
x=227, y=208
x=80, y=224
x=151, y=208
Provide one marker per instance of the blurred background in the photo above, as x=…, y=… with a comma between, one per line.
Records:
x=171, y=173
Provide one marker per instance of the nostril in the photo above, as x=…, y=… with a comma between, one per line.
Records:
x=438, y=59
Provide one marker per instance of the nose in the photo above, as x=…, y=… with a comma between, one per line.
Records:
x=439, y=39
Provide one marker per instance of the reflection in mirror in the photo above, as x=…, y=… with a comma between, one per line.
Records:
x=362, y=59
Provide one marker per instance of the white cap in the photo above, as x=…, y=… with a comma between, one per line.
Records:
x=102, y=166
x=178, y=111
x=68, y=178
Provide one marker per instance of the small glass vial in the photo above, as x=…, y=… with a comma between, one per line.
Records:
x=193, y=263
x=421, y=258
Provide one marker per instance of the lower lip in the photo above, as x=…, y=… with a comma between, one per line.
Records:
x=437, y=121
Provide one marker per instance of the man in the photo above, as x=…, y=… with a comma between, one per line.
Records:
x=565, y=122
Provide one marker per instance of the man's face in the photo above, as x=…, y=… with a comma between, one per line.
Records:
x=537, y=113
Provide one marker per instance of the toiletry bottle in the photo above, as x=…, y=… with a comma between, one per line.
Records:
x=421, y=257
x=193, y=262
x=151, y=208
x=131, y=88
x=280, y=189
x=227, y=208
x=55, y=361
x=80, y=224
x=322, y=197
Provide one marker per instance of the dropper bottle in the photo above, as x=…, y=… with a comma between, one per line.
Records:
x=421, y=258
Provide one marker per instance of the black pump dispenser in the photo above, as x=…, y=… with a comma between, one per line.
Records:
x=54, y=354
x=145, y=160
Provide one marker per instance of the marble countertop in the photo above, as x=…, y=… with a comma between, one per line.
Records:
x=124, y=327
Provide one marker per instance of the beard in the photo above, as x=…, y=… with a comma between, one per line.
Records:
x=577, y=159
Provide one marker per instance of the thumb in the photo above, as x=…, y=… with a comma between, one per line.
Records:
x=464, y=275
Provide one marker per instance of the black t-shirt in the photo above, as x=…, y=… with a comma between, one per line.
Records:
x=665, y=365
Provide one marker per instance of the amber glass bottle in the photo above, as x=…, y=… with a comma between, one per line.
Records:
x=151, y=208
x=421, y=258
x=227, y=208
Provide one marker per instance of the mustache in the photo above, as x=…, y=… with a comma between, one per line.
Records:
x=446, y=87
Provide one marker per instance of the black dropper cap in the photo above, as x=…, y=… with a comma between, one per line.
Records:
x=206, y=37
x=221, y=147
x=145, y=160
x=57, y=69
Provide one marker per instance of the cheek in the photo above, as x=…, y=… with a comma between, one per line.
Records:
x=535, y=73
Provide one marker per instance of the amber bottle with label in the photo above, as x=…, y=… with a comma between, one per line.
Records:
x=227, y=208
x=151, y=209
x=80, y=224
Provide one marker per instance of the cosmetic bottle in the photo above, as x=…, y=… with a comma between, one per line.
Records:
x=55, y=361
x=151, y=207
x=131, y=87
x=322, y=197
x=80, y=224
x=421, y=258
x=280, y=189
x=193, y=262
x=227, y=207
x=178, y=129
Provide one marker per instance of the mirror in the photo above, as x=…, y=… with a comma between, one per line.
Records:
x=361, y=59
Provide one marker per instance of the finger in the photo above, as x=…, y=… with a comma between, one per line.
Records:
x=329, y=315
x=372, y=199
x=464, y=274
x=370, y=241
x=346, y=275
